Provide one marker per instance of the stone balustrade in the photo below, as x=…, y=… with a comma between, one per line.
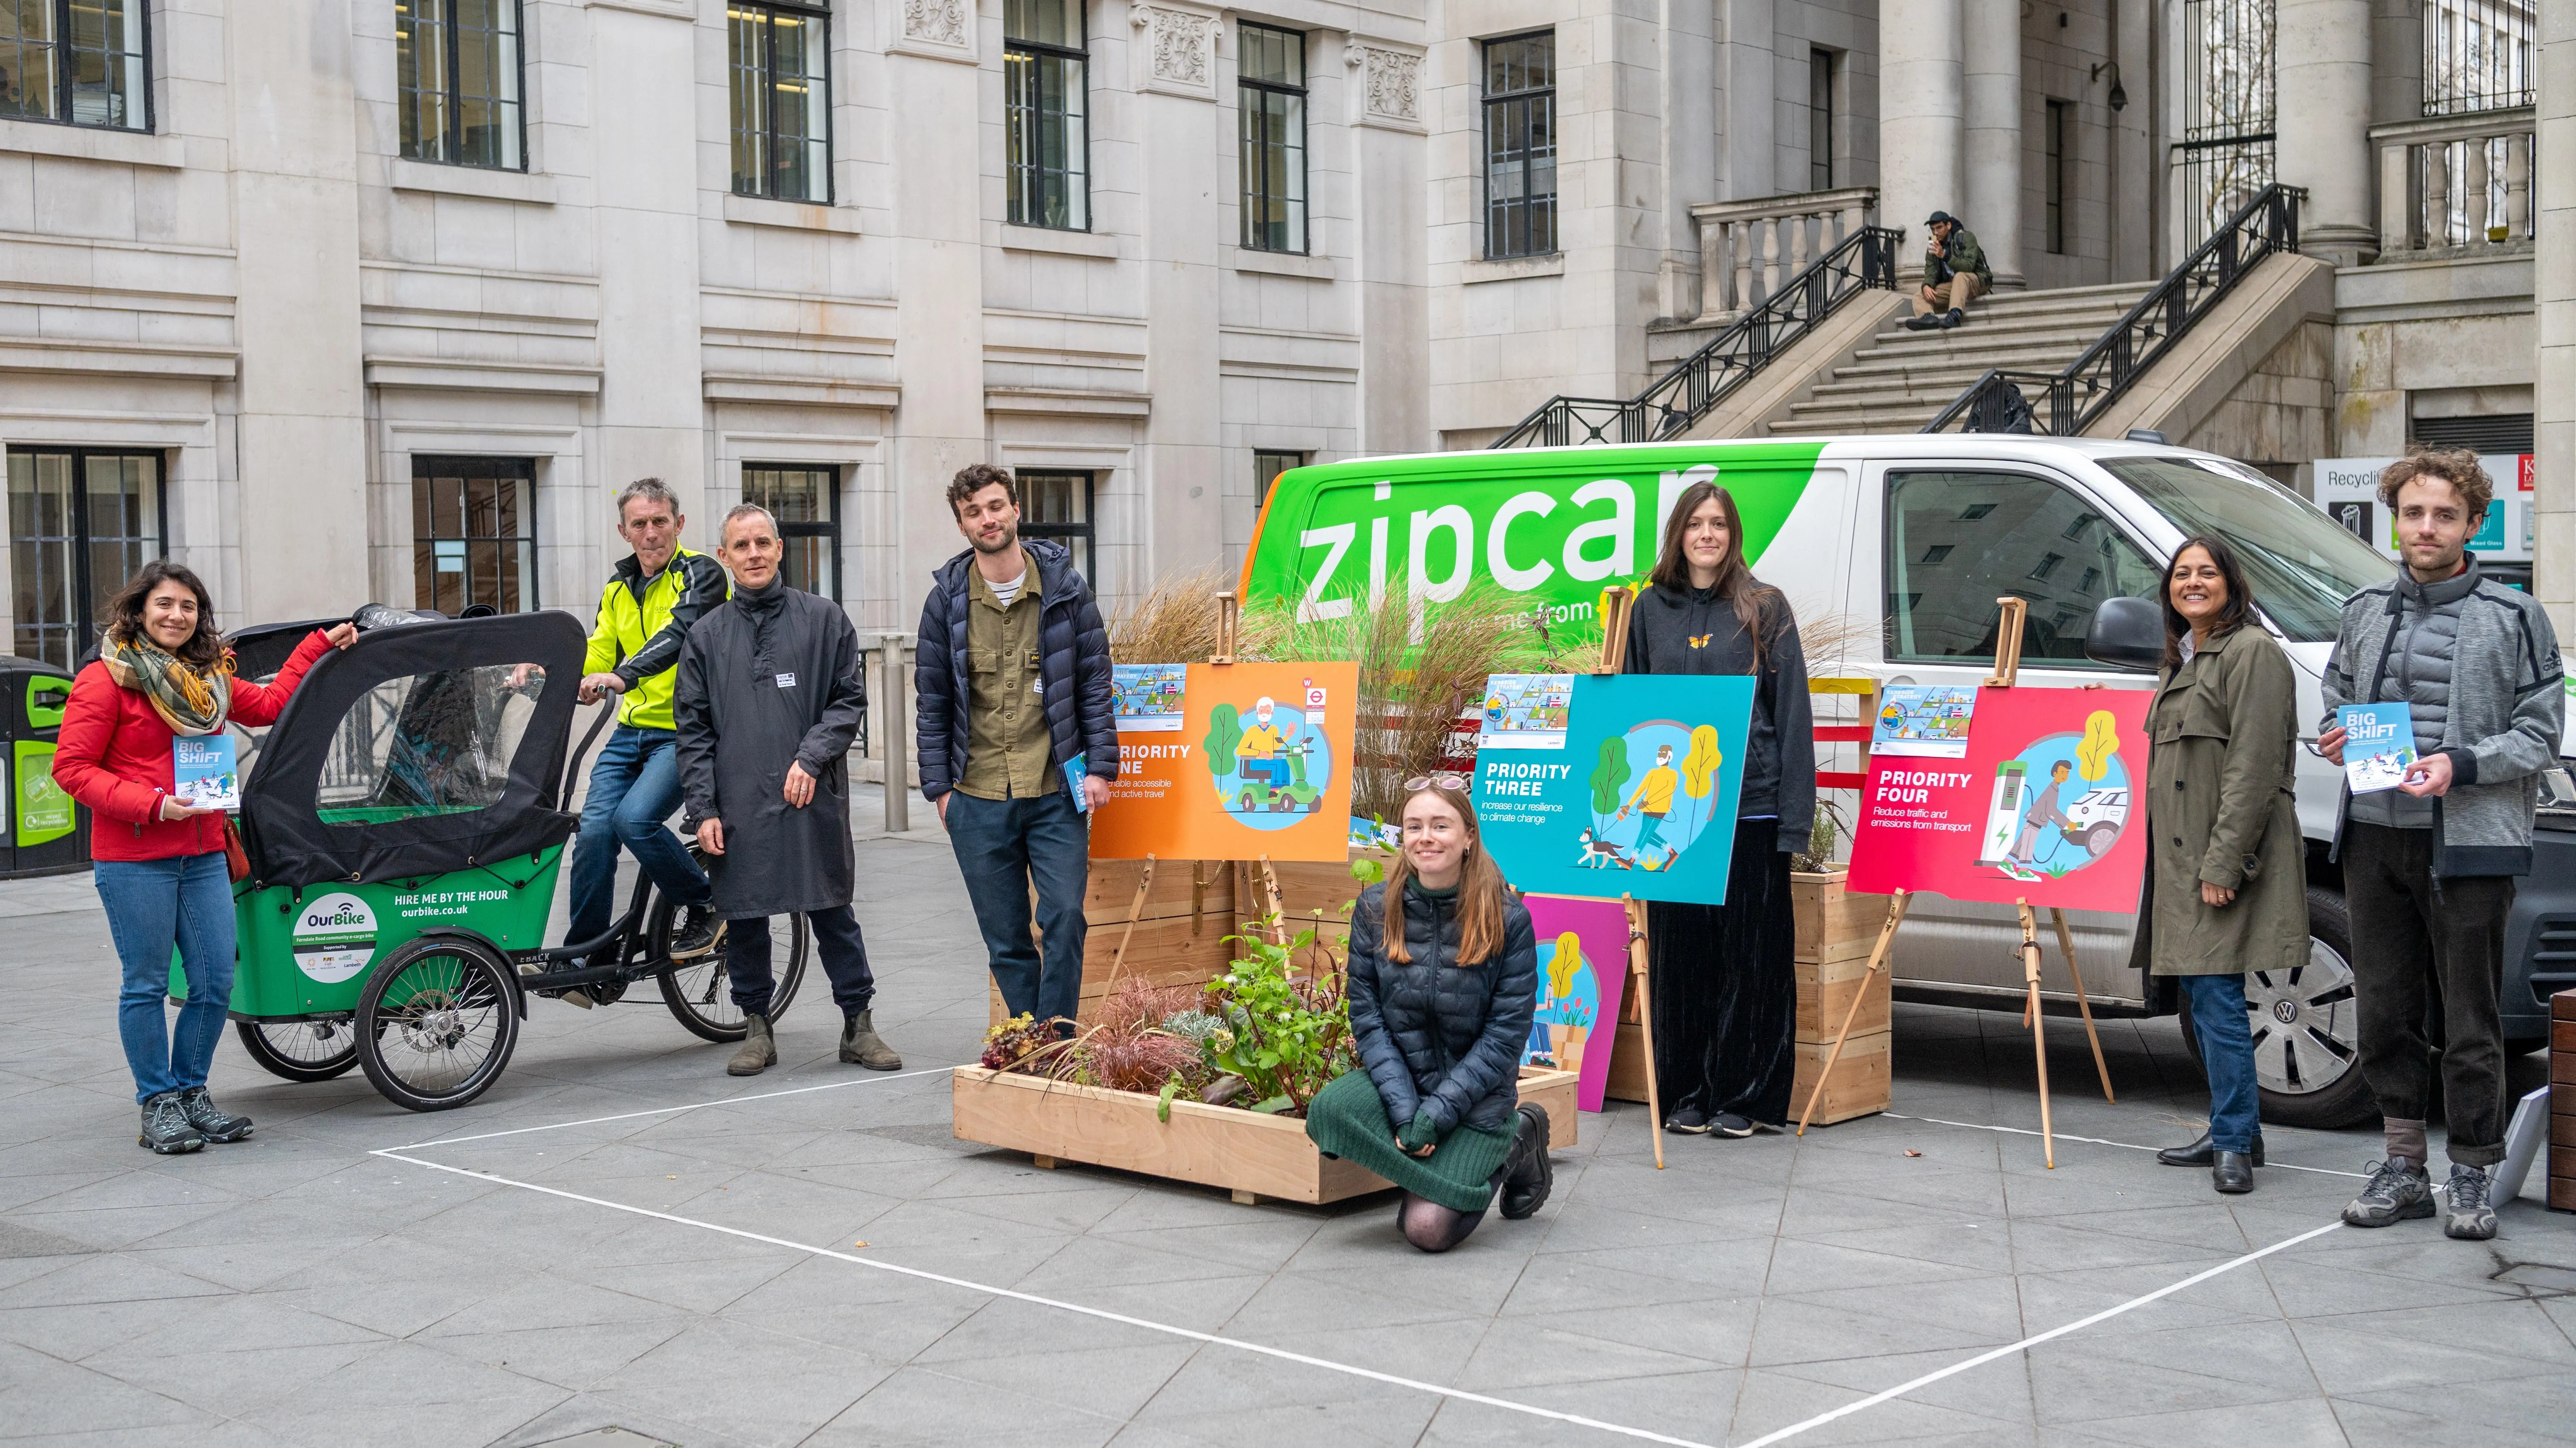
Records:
x=2454, y=185
x=1749, y=249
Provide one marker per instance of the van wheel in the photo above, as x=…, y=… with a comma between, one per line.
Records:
x=2307, y=1032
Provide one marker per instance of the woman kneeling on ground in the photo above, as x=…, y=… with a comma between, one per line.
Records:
x=163, y=672
x=1443, y=983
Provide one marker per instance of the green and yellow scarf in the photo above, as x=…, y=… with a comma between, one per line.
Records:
x=191, y=700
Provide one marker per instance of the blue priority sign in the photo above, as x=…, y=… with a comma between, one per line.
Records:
x=1609, y=785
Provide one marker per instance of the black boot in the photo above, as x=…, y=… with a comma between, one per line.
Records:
x=2232, y=1172
x=1530, y=1176
x=2199, y=1152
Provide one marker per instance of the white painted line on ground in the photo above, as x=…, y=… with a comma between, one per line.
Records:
x=1981, y=1359
x=2099, y=1141
x=675, y=1110
x=1211, y=1339
x=1327, y=1364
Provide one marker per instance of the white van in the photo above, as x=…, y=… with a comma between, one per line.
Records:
x=1905, y=542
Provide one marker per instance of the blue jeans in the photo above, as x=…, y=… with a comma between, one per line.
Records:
x=2227, y=1052
x=633, y=788
x=152, y=904
x=1004, y=846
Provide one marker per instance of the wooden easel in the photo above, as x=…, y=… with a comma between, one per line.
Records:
x=1616, y=604
x=2007, y=673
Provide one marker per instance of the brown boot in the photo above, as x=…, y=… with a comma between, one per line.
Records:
x=862, y=1046
x=758, y=1050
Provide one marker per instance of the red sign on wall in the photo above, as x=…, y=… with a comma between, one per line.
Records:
x=2047, y=806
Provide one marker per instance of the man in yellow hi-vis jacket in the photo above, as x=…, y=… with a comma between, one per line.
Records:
x=644, y=616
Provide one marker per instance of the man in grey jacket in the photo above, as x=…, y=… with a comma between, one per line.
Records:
x=2429, y=866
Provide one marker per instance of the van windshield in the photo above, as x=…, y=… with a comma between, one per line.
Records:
x=2300, y=565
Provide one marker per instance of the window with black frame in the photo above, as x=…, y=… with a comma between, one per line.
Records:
x=1958, y=540
x=1271, y=93
x=1820, y=119
x=76, y=62
x=456, y=64
x=81, y=521
x=1520, y=145
x=801, y=499
x=1046, y=70
x=1055, y=504
x=2058, y=143
x=1267, y=465
x=779, y=58
x=473, y=531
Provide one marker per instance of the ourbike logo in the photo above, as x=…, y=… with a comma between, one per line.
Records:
x=335, y=937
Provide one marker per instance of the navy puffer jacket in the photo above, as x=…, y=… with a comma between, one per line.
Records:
x=1073, y=669
x=1433, y=1032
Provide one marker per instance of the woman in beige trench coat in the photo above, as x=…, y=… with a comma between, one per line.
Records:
x=2228, y=892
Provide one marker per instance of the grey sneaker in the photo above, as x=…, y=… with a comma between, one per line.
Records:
x=212, y=1122
x=165, y=1127
x=2398, y=1191
x=2472, y=1216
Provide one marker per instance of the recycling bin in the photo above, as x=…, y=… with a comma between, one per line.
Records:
x=47, y=832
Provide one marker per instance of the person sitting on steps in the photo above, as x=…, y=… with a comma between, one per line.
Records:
x=1954, y=273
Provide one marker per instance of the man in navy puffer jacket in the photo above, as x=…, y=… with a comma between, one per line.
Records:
x=1012, y=683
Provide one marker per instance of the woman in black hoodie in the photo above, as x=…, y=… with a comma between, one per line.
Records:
x=1725, y=994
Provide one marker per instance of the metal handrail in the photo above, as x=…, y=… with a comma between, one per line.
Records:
x=2074, y=399
x=1674, y=402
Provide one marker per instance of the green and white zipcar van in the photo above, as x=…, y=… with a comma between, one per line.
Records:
x=1901, y=544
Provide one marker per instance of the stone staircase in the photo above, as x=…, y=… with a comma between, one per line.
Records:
x=1900, y=380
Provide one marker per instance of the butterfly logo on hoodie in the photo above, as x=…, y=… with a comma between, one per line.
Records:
x=1700, y=641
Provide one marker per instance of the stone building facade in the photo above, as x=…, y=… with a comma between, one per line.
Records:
x=352, y=299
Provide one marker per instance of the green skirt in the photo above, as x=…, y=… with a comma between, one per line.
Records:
x=1347, y=1119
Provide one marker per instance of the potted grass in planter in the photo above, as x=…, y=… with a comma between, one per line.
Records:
x=1204, y=1085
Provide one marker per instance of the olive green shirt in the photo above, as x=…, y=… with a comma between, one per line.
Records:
x=1009, y=752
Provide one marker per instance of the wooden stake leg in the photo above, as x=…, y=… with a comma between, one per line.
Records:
x=1896, y=903
x=2038, y=1028
x=2083, y=1003
x=1646, y=1018
x=1134, y=913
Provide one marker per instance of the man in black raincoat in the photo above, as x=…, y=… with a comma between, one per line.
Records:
x=767, y=702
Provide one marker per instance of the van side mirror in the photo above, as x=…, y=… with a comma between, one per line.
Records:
x=2126, y=633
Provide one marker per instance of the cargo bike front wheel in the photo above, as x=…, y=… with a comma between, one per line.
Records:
x=437, y=1022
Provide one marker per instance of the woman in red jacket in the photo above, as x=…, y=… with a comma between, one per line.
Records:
x=163, y=672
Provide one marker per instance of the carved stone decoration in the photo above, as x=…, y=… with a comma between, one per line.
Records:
x=1179, y=42
x=940, y=22
x=1394, y=83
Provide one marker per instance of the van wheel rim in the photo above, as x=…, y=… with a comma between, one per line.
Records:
x=2307, y=1032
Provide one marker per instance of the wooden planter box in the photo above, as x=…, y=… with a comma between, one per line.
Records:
x=2562, y=1101
x=1836, y=928
x=1247, y=1153
x=1180, y=935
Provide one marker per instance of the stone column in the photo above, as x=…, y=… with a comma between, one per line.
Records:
x=1187, y=155
x=652, y=402
x=2321, y=77
x=301, y=439
x=1391, y=254
x=2553, y=575
x=1921, y=130
x=1991, y=45
x=1689, y=148
x=1750, y=73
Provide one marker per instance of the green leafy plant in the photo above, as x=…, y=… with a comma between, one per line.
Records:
x=1284, y=1036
